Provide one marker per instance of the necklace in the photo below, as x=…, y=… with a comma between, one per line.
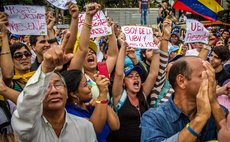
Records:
x=135, y=104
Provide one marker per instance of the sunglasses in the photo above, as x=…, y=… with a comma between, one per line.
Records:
x=19, y=55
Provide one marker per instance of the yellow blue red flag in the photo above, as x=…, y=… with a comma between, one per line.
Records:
x=205, y=8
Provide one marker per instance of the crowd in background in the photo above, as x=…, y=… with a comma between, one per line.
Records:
x=52, y=88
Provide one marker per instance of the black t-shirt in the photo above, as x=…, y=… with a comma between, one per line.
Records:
x=129, y=117
x=221, y=77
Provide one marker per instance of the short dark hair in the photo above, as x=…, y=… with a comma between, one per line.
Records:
x=72, y=79
x=17, y=46
x=33, y=39
x=225, y=30
x=181, y=66
x=222, y=52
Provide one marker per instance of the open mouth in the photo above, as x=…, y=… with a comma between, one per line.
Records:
x=136, y=84
x=90, y=60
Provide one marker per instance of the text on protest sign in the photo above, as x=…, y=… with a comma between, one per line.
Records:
x=196, y=32
x=26, y=20
x=139, y=37
x=99, y=25
x=61, y=3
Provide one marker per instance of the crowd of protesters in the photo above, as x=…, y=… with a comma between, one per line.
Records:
x=51, y=87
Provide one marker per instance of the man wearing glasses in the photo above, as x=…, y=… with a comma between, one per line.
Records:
x=40, y=114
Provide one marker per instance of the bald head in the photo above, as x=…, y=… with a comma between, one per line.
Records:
x=184, y=66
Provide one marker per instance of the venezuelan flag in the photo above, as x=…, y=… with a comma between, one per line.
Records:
x=205, y=8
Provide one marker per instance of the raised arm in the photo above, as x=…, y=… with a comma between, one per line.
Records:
x=119, y=72
x=112, y=51
x=155, y=63
x=153, y=72
x=50, y=21
x=73, y=10
x=7, y=67
x=76, y=62
x=99, y=116
x=206, y=48
x=166, y=34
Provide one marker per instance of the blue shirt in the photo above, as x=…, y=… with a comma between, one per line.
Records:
x=72, y=109
x=165, y=123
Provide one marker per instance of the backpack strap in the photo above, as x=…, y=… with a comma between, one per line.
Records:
x=121, y=101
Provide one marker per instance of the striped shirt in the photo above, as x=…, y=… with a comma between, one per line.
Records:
x=160, y=82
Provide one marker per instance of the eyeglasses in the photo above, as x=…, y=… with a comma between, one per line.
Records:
x=57, y=85
x=19, y=55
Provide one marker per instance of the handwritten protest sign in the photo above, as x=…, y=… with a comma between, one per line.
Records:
x=139, y=37
x=26, y=20
x=99, y=25
x=61, y=3
x=196, y=32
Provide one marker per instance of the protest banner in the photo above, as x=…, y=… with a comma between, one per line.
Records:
x=139, y=37
x=100, y=25
x=61, y=3
x=26, y=20
x=196, y=32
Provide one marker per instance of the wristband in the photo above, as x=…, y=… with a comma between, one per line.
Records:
x=192, y=131
x=102, y=101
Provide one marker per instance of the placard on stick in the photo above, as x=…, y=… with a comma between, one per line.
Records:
x=26, y=20
x=139, y=37
x=196, y=32
x=100, y=25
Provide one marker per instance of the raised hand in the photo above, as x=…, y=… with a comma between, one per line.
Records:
x=92, y=9
x=131, y=53
x=3, y=23
x=55, y=56
x=73, y=10
x=166, y=29
x=121, y=38
x=102, y=83
x=50, y=20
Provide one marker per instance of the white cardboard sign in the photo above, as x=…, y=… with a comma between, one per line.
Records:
x=26, y=20
x=100, y=25
x=139, y=37
x=196, y=32
x=61, y=3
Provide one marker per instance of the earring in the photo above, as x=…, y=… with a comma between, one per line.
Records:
x=75, y=103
